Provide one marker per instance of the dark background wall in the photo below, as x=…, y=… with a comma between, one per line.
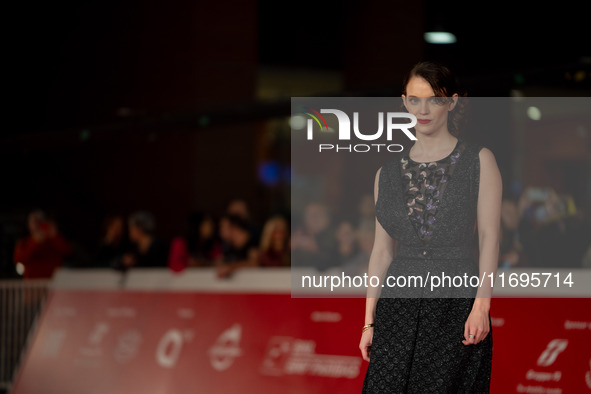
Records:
x=118, y=106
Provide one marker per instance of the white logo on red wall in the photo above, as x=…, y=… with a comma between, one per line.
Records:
x=553, y=349
x=127, y=346
x=290, y=356
x=545, y=378
x=226, y=348
x=93, y=349
x=170, y=346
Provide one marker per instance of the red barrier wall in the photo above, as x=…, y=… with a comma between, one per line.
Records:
x=135, y=341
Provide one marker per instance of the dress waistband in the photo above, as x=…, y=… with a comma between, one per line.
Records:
x=434, y=252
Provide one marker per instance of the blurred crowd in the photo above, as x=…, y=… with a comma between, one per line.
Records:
x=227, y=243
x=539, y=228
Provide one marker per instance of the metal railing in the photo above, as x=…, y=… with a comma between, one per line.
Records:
x=20, y=304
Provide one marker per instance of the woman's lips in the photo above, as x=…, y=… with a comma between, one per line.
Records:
x=423, y=121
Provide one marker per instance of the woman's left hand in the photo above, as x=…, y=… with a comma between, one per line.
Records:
x=477, y=324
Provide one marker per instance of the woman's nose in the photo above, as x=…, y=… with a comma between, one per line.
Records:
x=424, y=109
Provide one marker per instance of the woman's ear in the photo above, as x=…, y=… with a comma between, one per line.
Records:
x=454, y=101
x=404, y=102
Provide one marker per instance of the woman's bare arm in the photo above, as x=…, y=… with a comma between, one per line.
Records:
x=489, y=223
x=379, y=261
x=490, y=192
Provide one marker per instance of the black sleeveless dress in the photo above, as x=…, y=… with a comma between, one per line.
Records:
x=430, y=209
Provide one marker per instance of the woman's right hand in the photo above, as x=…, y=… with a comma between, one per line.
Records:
x=365, y=344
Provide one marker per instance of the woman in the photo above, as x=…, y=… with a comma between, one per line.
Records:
x=203, y=244
x=431, y=200
x=275, y=247
x=114, y=243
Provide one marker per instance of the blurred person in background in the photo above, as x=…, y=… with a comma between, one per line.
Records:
x=527, y=228
x=239, y=207
x=347, y=247
x=225, y=237
x=358, y=264
x=314, y=243
x=43, y=251
x=511, y=252
x=560, y=233
x=366, y=211
x=147, y=250
x=200, y=248
x=243, y=251
x=563, y=236
x=364, y=237
x=275, y=243
x=114, y=243
x=203, y=241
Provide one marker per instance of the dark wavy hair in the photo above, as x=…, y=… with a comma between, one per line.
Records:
x=444, y=84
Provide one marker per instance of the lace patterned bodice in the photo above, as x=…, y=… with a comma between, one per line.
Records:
x=424, y=184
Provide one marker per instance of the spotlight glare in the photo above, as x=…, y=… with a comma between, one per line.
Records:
x=440, y=37
x=534, y=113
x=297, y=122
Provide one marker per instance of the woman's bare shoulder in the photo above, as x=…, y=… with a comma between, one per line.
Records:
x=487, y=157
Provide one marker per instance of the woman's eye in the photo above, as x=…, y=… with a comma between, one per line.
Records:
x=438, y=100
x=414, y=100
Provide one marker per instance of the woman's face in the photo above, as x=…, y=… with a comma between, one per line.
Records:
x=206, y=229
x=431, y=111
x=225, y=229
x=279, y=231
x=316, y=218
x=346, y=233
x=116, y=228
x=134, y=232
x=509, y=214
x=238, y=236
